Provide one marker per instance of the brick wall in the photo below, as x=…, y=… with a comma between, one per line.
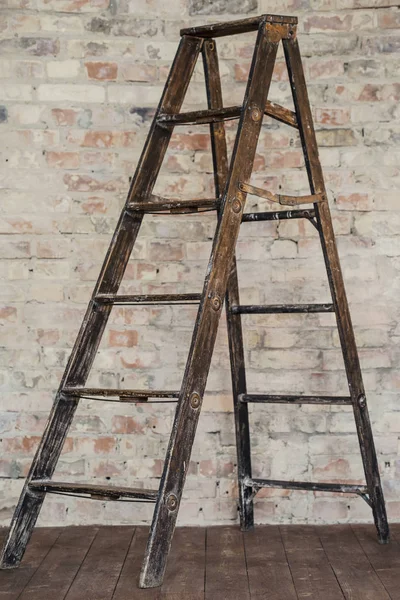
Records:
x=80, y=80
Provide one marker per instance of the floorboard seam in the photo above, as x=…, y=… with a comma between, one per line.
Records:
x=367, y=557
x=245, y=562
x=287, y=562
x=80, y=566
x=329, y=563
x=39, y=565
x=123, y=564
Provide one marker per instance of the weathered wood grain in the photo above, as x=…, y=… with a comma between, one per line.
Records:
x=312, y=573
x=352, y=568
x=267, y=568
x=384, y=558
x=99, y=572
x=56, y=573
x=13, y=582
x=226, y=572
x=236, y=27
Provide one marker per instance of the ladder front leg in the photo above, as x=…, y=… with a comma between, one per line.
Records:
x=205, y=331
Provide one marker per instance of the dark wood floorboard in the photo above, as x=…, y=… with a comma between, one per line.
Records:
x=269, y=574
x=353, y=570
x=13, y=581
x=226, y=572
x=184, y=578
x=293, y=562
x=312, y=573
x=56, y=573
x=385, y=559
x=100, y=571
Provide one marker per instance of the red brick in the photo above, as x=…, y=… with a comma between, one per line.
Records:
x=125, y=339
x=104, y=71
x=122, y=424
x=64, y=160
x=332, y=116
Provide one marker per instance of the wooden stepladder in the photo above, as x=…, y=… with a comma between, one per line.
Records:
x=232, y=186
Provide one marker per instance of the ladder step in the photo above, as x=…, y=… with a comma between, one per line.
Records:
x=236, y=27
x=216, y=115
x=279, y=215
x=115, y=395
x=148, y=299
x=284, y=399
x=155, y=204
x=99, y=492
x=344, y=488
x=273, y=309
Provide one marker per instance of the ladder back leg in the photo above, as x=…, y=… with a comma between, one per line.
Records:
x=96, y=317
x=235, y=336
x=205, y=331
x=331, y=257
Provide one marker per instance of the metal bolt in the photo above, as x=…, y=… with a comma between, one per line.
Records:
x=255, y=113
x=216, y=303
x=362, y=401
x=195, y=400
x=172, y=502
x=211, y=45
x=236, y=206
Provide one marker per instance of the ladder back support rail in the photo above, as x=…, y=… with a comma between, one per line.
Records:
x=335, y=278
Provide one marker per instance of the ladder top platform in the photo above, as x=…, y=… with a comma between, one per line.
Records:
x=235, y=27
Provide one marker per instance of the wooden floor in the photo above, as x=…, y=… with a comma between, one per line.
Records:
x=219, y=563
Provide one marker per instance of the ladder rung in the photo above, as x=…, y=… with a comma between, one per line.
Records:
x=216, y=115
x=157, y=204
x=284, y=399
x=99, y=492
x=279, y=215
x=148, y=299
x=344, y=488
x=115, y=395
x=236, y=27
x=273, y=309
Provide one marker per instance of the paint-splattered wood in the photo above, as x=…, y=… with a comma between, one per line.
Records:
x=384, y=558
x=312, y=574
x=268, y=571
x=99, y=573
x=55, y=575
x=226, y=573
x=13, y=581
x=236, y=27
x=352, y=568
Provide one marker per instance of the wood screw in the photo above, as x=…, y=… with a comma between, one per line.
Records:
x=195, y=400
x=216, y=303
x=172, y=502
x=255, y=114
x=236, y=206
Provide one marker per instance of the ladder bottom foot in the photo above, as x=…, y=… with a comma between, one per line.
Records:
x=383, y=539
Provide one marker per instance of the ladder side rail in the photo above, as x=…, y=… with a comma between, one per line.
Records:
x=234, y=324
x=336, y=283
x=95, y=320
x=205, y=330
